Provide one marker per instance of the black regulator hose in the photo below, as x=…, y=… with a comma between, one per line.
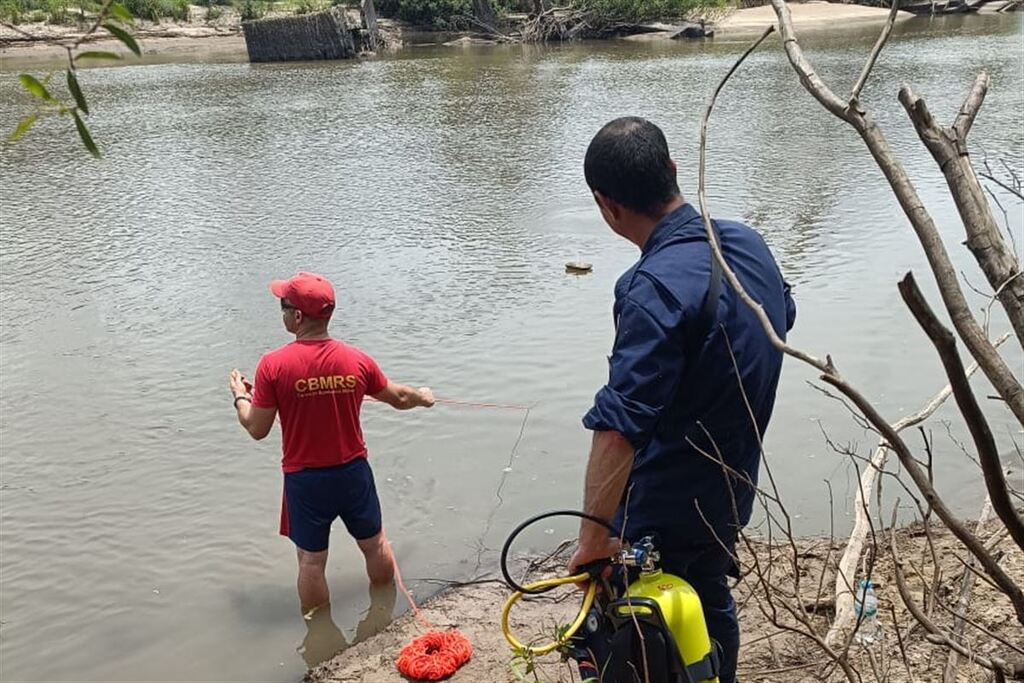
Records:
x=531, y=521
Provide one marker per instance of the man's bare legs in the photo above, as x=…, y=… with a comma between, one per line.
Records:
x=312, y=582
x=380, y=563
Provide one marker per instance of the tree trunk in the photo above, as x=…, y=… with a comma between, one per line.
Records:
x=484, y=13
x=370, y=21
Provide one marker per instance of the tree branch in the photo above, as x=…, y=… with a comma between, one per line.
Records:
x=730, y=276
x=948, y=146
x=988, y=455
x=971, y=106
x=1014, y=671
x=847, y=567
x=994, y=367
x=883, y=38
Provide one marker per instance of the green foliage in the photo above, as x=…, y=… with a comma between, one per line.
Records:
x=124, y=37
x=112, y=17
x=154, y=10
x=425, y=12
x=308, y=6
x=250, y=10
x=38, y=11
x=12, y=12
x=97, y=54
x=646, y=10
x=57, y=12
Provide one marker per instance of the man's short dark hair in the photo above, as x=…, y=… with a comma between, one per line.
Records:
x=628, y=162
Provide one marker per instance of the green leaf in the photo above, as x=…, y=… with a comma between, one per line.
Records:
x=118, y=11
x=23, y=127
x=83, y=132
x=76, y=91
x=94, y=54
x=124, y=37
x=37, y=89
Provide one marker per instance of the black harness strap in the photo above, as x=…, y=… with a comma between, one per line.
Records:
x=709, y=310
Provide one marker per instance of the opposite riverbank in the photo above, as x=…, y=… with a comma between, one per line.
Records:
x=221, y=40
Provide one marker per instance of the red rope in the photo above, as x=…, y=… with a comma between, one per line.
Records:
x=469, y=404
x=435, y=654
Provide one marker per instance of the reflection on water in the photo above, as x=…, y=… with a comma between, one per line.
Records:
x=323, y=637
x=442, y=192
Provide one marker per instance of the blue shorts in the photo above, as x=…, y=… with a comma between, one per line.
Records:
x=314, y=498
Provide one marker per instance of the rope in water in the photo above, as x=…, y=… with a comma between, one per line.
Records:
x=435, y=654
x=438, y=654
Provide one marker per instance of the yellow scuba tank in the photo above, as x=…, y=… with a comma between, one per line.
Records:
x=671, y=604
x=681, y=609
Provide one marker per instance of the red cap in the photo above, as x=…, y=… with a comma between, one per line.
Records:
x=310, y=293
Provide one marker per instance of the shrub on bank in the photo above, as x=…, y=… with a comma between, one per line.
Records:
x=445, y=13
x=49, y=11
x=646, y=10
x=424, y=12
x=250, y=10
x=154, y=10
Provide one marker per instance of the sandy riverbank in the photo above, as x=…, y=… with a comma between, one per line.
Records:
x=808, y=16
x=199, y=41
x=767, y=655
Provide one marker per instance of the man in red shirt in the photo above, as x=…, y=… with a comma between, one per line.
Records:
x=317, y=385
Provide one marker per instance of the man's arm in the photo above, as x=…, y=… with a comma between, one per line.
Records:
x=611, y=461
x=644, y=372
x=401, y=397
x=257, y=421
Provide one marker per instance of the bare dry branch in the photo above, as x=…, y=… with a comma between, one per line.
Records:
x=997, y=181
x=985, y=443
x=969, y=109
x=993, y=365
x=883, y=38
x=948, y=146
x=846, y=569
x=920, y=478
x=936, y=635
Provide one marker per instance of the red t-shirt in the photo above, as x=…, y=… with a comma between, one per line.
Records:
x=317, y=387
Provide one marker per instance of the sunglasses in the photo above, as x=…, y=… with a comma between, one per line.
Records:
x=285, y=306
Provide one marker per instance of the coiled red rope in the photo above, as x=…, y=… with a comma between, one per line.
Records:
x=435, y=654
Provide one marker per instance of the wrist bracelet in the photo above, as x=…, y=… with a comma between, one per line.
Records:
x=242, y=398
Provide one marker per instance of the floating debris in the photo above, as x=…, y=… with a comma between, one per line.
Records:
x=578, y=267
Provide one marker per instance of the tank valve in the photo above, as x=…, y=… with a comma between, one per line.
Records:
x=642, y=555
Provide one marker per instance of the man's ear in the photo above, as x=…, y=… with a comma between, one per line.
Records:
x=609, y=207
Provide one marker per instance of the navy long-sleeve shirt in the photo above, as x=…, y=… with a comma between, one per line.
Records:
x=668, y=392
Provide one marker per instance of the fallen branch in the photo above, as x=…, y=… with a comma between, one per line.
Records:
x=847, y=568
x=1015, y=671
x=967, y=580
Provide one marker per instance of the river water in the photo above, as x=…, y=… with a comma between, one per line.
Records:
x=442, y=191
